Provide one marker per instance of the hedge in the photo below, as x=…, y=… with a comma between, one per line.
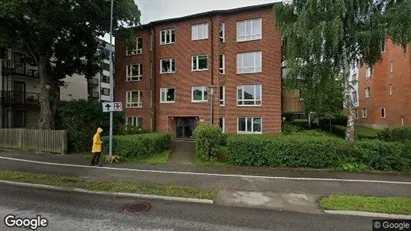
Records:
x=315, y=150
x=361, y=133
x=138, y=146
x=208, y=139
x=401, y=134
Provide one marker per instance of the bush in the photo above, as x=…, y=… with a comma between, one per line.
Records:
x=315, y=150
x=400, y=134
x=208, y=138
x=131, y=130
x=138, y=146
x=361, y=133
x=289, y=129
x=81, y=118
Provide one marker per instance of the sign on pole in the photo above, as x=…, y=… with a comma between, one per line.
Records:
x=112, y=107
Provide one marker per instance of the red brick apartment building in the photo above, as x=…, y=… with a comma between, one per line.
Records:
x=385, y=90
x=221, y=67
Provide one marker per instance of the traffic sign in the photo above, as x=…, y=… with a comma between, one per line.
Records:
x=112, y=107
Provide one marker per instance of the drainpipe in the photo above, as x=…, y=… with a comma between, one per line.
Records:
x=211, y=67
x=153, y=79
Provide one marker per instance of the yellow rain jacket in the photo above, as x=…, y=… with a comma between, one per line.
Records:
x=97, y=141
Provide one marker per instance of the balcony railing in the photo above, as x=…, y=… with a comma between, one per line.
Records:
x=94, y=94
x=21, y=98
x=93, y=82
x=19, y=69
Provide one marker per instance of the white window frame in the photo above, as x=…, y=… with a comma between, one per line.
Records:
x=137, y=50
x=196, y=58
x=385, y=112
x=222, y=63
x=138, y=104
x=402, y=121
x=204, y=90
x=167, y=34
x=195, y=31
x=255, y=68
x=250, y=100
x=171, y=64
x=222, y=32
x=368, y=72
x=254, y=35
x=222, y=93
x=135, y=121
x=390, y=89
x=364, y=114
x=367, y=92
x=252, y=125
x=354, y=96
x=223, y=124
x=391, y=67
x=165, y=91
x=129, y=72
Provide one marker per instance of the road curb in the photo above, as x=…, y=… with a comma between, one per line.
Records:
x=367, y=214
x=141, y=196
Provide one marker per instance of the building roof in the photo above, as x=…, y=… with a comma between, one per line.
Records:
x=203, y=14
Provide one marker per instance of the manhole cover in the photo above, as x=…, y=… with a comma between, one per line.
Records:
x=136, y=208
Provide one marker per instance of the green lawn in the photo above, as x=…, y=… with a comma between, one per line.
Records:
x=392, y=205
x=93, y=185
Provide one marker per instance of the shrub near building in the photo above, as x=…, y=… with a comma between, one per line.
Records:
x=208, y=139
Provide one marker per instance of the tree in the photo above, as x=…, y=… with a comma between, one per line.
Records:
x=339, y=34
x=62, y=39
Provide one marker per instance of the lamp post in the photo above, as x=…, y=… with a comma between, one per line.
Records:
x=111, y=78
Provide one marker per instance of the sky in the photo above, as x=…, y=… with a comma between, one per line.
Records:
x=153, y=10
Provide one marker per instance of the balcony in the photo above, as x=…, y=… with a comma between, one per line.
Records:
x=292, y=102
x=94, y=94
x=19, y=69
x=10, y=98
x=93, y=82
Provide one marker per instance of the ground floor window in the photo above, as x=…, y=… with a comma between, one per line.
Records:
x=221, y=123
x=134, y=121
x=249, y=125
x=19, y=119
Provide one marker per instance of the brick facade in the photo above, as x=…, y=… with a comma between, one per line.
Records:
x=398, y=105
x=162, y=116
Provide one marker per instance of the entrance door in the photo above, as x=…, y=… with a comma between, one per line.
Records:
x=185, y=127
x=19, y=89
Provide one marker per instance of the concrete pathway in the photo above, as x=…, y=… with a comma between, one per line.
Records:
x=183, y=153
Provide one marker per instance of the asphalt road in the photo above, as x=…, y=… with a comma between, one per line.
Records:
x=78, y=211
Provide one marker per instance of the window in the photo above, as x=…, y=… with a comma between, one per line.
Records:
x=354, y=78
x=134, y=121
x=392, y=67
x=167, y=36
x=367, y=92
x=105, y=79
x=354, y=96
x=383, y=47
x=167, y=66
x=402, y=121
x=199, y=63
x=249, y=95
x=383, y=112
x=134, y=72
x=105, y=66
x=134, y=99
x=138, y=49
x=356, y=113
x=199, y=31
x=249, y=62
x=199, y=94
x=222, y=95
x=19, y=119
x=105, y=91
x=390, y=89
x=167, y=95
x=221, y=123
x=249, y=125
x=222, y=32
x=368, y=73
x=364, y=113
x=222, y=64
x=248, y=30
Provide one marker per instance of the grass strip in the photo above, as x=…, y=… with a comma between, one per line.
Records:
x=92, y=185
x=154, y=159
x=391, y=205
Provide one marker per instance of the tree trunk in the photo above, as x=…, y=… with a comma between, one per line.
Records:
x=350, y=129
x=46, y=115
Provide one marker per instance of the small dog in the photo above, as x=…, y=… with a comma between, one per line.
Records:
x=113, y=158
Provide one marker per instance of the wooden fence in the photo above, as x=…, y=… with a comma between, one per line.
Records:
x=53, y=141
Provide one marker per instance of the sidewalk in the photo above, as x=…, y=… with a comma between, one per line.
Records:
x=292, y=190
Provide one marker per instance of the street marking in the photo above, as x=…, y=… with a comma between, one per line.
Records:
x=210, y=174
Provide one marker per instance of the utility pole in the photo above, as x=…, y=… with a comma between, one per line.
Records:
x=111, y=78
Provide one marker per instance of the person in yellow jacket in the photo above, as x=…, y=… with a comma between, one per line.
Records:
x=96, y=149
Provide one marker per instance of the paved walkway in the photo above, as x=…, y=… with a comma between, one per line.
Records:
x=183, y=153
